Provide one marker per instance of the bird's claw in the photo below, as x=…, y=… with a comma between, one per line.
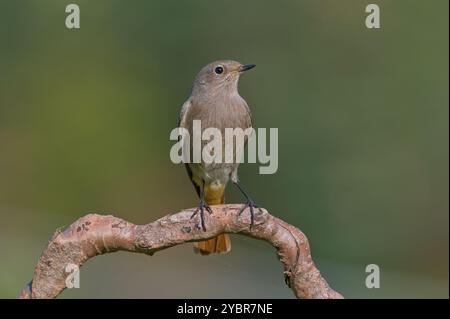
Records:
x=201, y=208
x=251, y=205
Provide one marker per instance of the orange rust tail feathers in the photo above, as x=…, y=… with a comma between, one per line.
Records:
x=214, y=195
x=219, y=244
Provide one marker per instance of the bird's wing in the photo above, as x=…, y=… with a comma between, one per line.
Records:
x=249, y=114
x=182, y=123
x=184, y=109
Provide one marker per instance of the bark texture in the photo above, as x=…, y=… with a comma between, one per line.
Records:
x=94, y=235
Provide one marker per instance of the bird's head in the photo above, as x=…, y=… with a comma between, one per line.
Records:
x=220, y=77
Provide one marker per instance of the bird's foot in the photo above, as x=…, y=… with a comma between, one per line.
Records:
x=251, y=205
x=202, y=206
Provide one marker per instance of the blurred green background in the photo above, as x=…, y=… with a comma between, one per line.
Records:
x=85, y=117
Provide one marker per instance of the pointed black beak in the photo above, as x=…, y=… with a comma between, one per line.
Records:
x=246, y=67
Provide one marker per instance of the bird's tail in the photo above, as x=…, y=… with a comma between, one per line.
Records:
x=219, y=244
x=214, y=195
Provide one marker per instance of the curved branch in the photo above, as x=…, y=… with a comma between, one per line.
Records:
x=94, y=235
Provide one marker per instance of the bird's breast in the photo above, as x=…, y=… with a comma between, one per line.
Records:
x=221, y=113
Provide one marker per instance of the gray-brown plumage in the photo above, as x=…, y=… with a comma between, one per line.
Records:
x=215, y=100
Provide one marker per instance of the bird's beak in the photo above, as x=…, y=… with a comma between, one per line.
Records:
x=246, y=67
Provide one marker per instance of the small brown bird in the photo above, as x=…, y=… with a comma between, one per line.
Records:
x=214, y=99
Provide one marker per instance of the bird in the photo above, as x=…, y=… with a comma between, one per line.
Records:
x=215, y=101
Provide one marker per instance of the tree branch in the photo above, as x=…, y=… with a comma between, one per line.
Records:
x=94, y=235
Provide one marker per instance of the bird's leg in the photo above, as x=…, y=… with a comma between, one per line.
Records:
x=201, y=207
x=250, y=204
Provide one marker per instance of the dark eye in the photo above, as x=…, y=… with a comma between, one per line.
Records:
x=218, y=70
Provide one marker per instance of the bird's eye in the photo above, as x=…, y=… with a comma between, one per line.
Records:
x=218, y=70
